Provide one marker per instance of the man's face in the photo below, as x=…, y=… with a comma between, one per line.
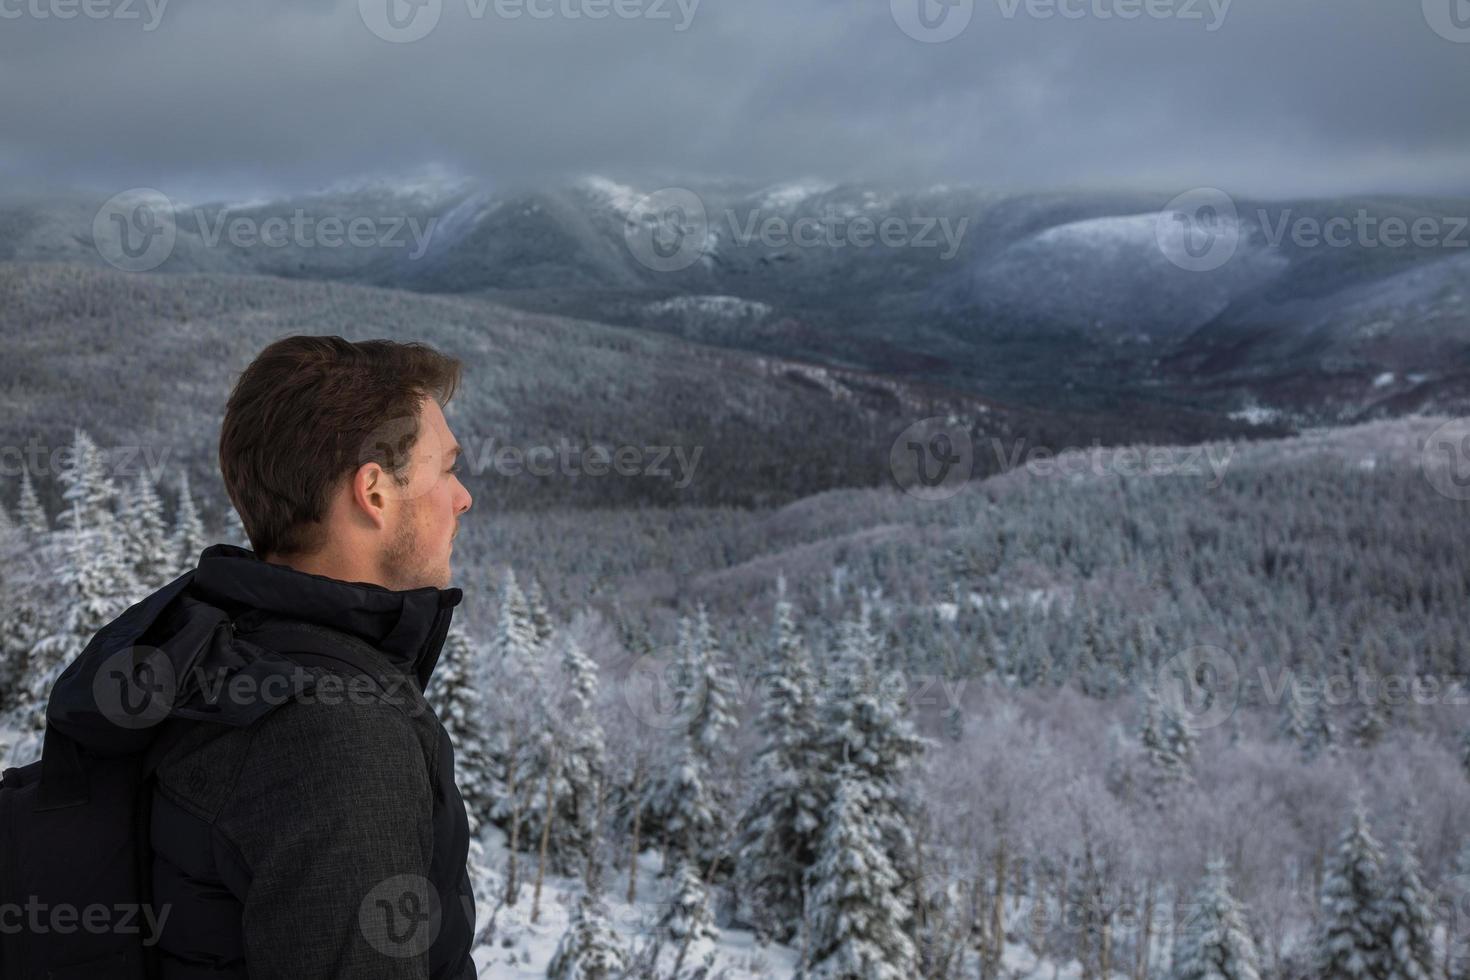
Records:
x=425, y=511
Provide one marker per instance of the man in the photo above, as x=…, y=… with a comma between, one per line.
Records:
x=317, y=835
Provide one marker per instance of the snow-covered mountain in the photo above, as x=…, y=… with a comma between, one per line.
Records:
x=1079, y=299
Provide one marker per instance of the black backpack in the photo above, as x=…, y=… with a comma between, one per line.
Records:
x=75, y=860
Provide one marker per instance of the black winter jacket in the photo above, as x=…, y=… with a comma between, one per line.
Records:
x=306, y=823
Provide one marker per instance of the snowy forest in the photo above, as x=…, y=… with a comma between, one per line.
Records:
x=1089, y=726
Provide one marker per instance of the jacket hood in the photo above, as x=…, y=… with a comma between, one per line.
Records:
x=170, y=654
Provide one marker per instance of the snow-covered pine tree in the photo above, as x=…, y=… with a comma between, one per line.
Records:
x=1352, y=943
x=573, y=735
x=518, y=701
x=188, y=539
x=1168, y=742
x=145, y=541
x=858, y=919
x=95, y=588
x=541, y=623
x=515, y=645
x=589, y=949
x=865, y=728
x=29, y=512
x=455, y=693
x=1216, y=944
x=712, y=721
x=1296, y=722
x=89, y=492
x=780, y=830
x=686, y=929
x=1371, y=724
x=1321, y=731
x=684, y=802
x=1408, y=918
x=1465, y=752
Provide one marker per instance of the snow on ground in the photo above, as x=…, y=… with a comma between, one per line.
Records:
x=794, y=192
x=725, y=307
x=520, y=949
x=620, y=198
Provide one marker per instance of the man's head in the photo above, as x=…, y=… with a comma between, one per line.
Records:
x=339, y=460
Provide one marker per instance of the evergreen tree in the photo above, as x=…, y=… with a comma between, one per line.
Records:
x=687, y=928
x=865, y=729
x=188, y=539
x=536, y=608
x=95, y=589
x=1408, y=918
x=1368, y=728
x=1321, y=731
x=1216, y=944
x=520, y=704
x=684, y=799
x=572, y=736
x=515, y=645
x=711, y=720
x=1352, y=941
x=780, y=831
x=88, y=491
x=455, y=693
x=1168, y=742
x=589, y=949
x=858, y=918
x=145, y=541
x=29, y=512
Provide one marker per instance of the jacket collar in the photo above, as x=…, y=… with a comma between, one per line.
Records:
x=407, y=626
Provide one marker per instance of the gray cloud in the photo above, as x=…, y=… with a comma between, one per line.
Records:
x=1273, y=97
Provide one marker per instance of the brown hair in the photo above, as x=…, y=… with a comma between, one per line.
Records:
x=309, y=410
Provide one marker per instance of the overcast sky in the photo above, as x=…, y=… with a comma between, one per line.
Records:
x=1270, y=97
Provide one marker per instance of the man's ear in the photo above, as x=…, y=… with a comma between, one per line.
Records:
x=369, y=499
